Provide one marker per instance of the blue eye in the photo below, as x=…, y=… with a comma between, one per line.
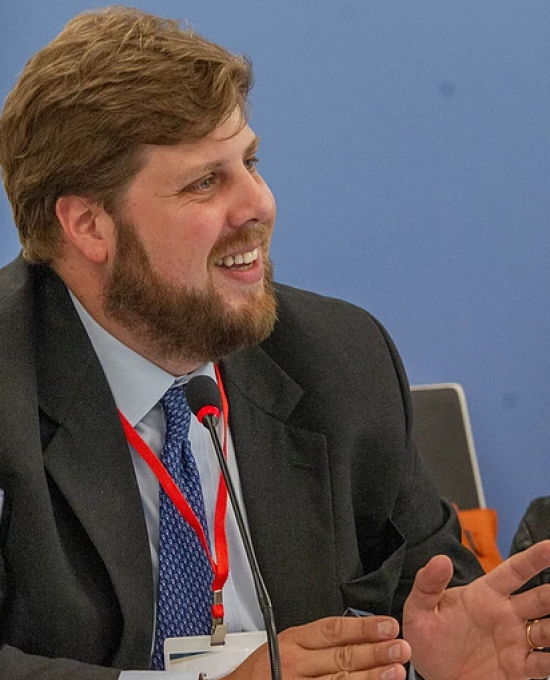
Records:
x=205, y=184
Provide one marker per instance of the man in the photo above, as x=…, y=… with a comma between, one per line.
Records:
x=145, y=225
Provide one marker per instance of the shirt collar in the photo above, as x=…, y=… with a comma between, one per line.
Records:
x=136, y=383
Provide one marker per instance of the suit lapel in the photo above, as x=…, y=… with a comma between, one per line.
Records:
x=88, y=459
x=285, y=479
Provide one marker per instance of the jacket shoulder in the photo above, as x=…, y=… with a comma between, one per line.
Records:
x=327, y=342
x=15, y=281
x=304, y=312
x=534, y=525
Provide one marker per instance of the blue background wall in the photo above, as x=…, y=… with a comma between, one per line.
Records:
x=408, y=145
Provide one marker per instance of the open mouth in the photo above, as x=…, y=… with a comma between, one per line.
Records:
x=239, y=260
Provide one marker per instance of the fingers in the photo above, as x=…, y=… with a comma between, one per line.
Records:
x=333, y=647
x=538, y=665
x=430, y=583
x=518, y=569
x=538, y=633
x=533, y=604
x=355, y=658
x=340, y=630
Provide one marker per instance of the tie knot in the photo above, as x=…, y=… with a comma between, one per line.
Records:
x=177, y=412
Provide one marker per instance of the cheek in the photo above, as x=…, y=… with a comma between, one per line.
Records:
x=178, y=238
x=184, y=256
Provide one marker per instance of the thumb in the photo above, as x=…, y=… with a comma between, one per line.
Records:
x=430, y=584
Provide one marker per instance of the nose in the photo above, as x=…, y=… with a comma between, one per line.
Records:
x=251, y=201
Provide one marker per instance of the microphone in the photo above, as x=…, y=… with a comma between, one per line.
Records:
x=203, y=397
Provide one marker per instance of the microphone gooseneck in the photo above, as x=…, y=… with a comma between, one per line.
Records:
x=203, y=397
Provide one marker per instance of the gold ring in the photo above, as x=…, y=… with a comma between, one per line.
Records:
x=530, y=642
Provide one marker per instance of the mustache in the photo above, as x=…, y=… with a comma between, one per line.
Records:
x=246, y=239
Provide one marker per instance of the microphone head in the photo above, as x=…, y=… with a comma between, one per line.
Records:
x=203, y=397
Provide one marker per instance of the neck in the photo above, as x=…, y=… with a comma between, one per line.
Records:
x=89, y=295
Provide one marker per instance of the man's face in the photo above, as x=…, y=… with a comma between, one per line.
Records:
x=191, y=277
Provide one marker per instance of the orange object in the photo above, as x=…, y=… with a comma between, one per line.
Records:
x=479, y=534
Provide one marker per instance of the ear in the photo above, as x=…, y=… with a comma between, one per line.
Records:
x=86, y=226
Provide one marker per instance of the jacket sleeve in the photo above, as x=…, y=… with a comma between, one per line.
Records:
x=16, y=665
x=428, y=522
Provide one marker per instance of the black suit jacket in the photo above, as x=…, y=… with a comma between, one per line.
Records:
x=341, y=510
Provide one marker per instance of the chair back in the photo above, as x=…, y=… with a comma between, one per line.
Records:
x=443, y=437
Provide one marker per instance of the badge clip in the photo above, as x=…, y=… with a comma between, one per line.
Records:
x=219, y=628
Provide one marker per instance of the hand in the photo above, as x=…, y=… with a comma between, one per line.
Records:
x=478, y=631
x=336, y=648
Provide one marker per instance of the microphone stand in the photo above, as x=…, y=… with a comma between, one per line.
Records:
x=210, y=422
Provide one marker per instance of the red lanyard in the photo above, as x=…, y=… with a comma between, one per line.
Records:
x=221, y=568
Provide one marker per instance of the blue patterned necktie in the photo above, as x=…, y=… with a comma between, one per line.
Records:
x=185, y=574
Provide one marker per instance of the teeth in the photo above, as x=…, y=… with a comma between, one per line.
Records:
x=240, y=259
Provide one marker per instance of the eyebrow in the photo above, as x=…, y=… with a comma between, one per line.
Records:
x=252, y=148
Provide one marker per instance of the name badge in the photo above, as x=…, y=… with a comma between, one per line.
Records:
x=198, y=654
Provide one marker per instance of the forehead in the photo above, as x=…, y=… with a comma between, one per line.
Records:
x=227, y=142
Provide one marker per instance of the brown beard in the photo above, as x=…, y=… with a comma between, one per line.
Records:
x=179, y=324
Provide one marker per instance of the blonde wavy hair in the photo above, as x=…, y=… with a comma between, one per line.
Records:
x=85, y=105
